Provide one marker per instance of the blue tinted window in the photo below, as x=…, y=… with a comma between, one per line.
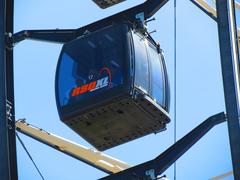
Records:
x=91, y=65
x=66, y=79
x=141, y=63
x=157, y=76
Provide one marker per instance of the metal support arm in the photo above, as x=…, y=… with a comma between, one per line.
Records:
x=92, y=157
x=148, y=9
x=229, y=42
x=54, y=35
x=168, y=157
x=150, y=169
x=229, y=53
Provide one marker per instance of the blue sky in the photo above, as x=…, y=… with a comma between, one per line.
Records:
x=199, y=90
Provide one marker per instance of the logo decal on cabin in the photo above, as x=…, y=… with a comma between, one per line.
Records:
x=94, y=85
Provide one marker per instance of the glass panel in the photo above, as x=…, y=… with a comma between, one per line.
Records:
x=91, y=65
x=141, y=63
x=66, y=81
x=157, y=75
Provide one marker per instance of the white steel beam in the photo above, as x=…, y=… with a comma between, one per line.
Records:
x=90, y=156
x=222, y=176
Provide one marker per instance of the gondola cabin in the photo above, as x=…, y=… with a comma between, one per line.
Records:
x=112, y=86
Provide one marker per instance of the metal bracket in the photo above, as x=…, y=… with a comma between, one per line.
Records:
x=151, y=174
x=140, y=16
x=141, y=23
x=8, y=40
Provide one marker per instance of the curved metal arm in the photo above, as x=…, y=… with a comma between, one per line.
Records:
x=158, y=165
x=147, y=9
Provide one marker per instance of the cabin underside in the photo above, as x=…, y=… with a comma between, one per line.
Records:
x=119, y=121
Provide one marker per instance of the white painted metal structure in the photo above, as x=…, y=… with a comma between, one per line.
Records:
x=90, y=156
x=222, y=176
